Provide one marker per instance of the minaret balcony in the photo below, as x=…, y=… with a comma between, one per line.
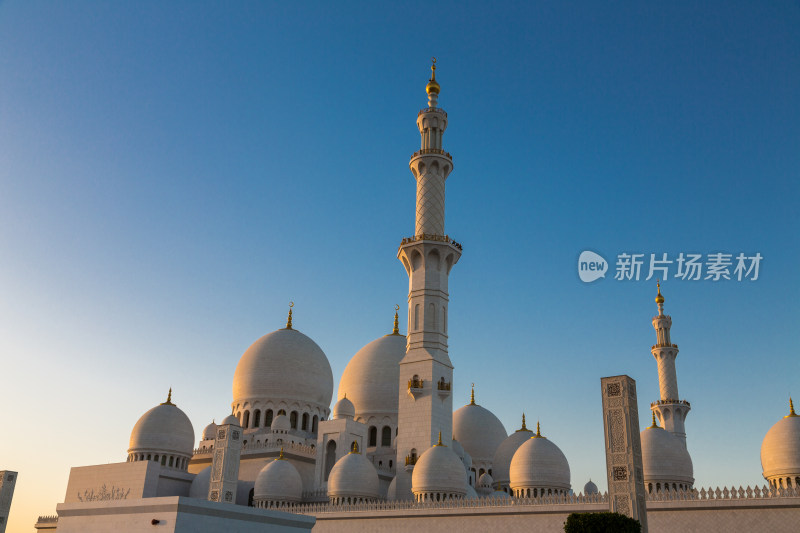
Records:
x=432, y=151
x=670, y=402
x=416, y=387
x=433, y=110
x=443, y=389
x=653, y=347
x=431, y=237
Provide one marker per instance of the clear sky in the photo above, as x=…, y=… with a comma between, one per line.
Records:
x=172, y=175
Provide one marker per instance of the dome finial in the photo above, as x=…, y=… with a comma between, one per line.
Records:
x=655, y=424
x=355, y=448
x=440, y=440
x=791, y=409
x=538, y=433
x=280, y=457
x=396, y=330
x=523, y=428
x=169, y=398
x=433, y=86
x=472, y=395
x=289, y=320
x=659, y=297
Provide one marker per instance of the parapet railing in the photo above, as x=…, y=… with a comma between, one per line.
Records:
x=653, y=347
x=433, y=110
x=268, y=446
x=724, y=493
x=435, y=151
x=431, y=237
x=669, y=401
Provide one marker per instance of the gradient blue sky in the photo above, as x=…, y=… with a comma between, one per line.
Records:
x=172, y=175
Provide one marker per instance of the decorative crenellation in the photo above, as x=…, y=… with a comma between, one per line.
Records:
x=431, y=237
x=258, y=447
x=724, y=493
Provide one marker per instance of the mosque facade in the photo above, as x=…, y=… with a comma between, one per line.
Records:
x=393, y=439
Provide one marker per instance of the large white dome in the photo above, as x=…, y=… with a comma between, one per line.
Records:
x=505, y=452
x=665, y=458
x=371, y=378
x=478, y=431
x=353, y=476
x=439, y=471
x=278, y=481
x=780, y=450
x=539, y=464
x=284, y=365
x=164, y=428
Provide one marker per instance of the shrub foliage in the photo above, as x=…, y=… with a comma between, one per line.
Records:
x=601, y=523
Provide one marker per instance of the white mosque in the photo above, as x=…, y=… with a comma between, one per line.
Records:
x=393, y=435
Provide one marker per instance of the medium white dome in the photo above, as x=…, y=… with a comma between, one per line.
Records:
x=200, y=483
x=471, y=494
x=284, y=365
x=439, y=470
x=230, y=420
x=210, y=431
x=371, y=378
x=780, y=449
x=505, y=452
x=353, y=476
x=538, y=464
x=664, y=458
x=478, y=431
x=278, y=481
x=485, y=485
x=164, y=428
x=344, y=409
x=281, y=423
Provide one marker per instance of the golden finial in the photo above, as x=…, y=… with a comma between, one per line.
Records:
x=433, y=86
x=523, y=428
x=659, y=298
x=538, y=433
x=396, y=330
x=440, y=440
x=655, y=424
x=791, y=409
x=289, y=320
x=355, y=448
x=472, y=395
x=280, y=457
x=169, y=398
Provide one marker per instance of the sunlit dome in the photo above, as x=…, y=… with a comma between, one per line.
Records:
x=284, y=365
x=438, y=471
x=200, y=483
x=278, y=481
x=665, y=459
x=354, y=477
x=371, y=378
x=344, y=409
x=210, y=431
x=539, y=464
x=479, y=431
x=780, y=450
x=505, y=452
x=164, y=429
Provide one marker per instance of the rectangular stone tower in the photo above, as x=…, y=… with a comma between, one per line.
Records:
x=623, y=448
x=8, y=480
x=225, y=463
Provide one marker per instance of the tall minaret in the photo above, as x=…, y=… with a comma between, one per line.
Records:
x=426, y=405
x=670, y=410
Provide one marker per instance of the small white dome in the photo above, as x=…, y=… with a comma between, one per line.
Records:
x=200, y=483
x=485, y=485
x=164, y=428
x=278, y=481
x=371, y=377
x=230, y=420
x=505, y=452
x=471, y=494
x=353, y=476
x=344, y=408
x=664, y=458
x=391, y=492
x=478, y=431
x=780, y=449
x=210, y=431
x=590, y=488
x=438, y=470
x=281, y=423
x=538, y=464
x=284, y=365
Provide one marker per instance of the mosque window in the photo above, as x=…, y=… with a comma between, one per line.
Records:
x=330, y=457
x=305, y=422
x=268, y=417
x=314, y=424
x=171, y=461
x=386, y=437
x=293, y=419
x=373, y=436
x=246, y=420
x=163, y=460
x=256, y=418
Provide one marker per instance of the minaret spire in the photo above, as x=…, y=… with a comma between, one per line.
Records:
x=396, y=329
x=289, y=320
x=472, y=395
x=669, y=409
x=428, y=257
